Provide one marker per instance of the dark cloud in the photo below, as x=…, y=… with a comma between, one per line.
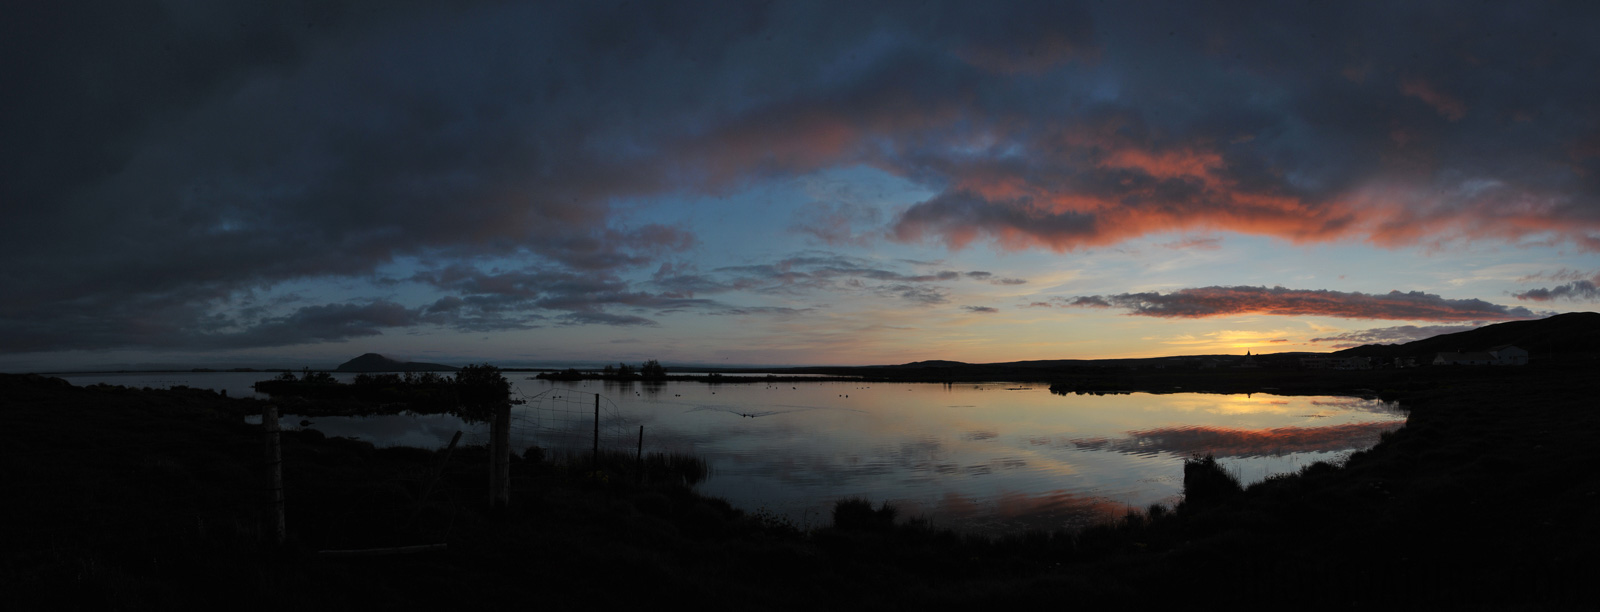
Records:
x=1448, y=106
x=684, y=281
x=828, y=272
x=164, y=160
x=185, y=327
x=993, y=280
x=604, y=318
x=1086, y=301
x=1056, y=32
x=516, y=299
x=926, y=296
x=1092, y=301
x=232, y=147
x=1579, y=287
x=323, y=323
x=1562, y=275
x=1392, y=335
x=980, y=309
x=480, y=314
x=1226, y=301
x=1419, y=138
x=1576, y=290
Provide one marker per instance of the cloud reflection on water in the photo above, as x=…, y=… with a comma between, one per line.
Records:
x=964, y=456
x=1229, y=442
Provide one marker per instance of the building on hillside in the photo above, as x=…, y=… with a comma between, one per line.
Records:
x=1249, y=361
x=1460, y=358
x=1336, y=363
x=1506, y=354
x=1503, y=355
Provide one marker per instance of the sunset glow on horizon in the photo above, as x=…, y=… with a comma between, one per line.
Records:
x=255, y=185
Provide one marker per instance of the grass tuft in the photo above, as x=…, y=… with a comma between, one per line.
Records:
x=857, y=514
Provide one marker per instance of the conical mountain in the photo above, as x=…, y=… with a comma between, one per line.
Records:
x=373, y=362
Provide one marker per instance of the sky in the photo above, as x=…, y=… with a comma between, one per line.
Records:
x=230, y=184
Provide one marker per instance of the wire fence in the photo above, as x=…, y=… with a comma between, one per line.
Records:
x=216, y=489
x=566, y=421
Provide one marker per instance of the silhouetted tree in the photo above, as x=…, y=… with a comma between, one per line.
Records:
x=652, y=369
x=320, y=378
x=480, y=389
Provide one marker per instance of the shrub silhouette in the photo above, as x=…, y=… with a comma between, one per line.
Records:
x=1206, y=484
x=480, y=389
x=652, y=369
x=856, y=514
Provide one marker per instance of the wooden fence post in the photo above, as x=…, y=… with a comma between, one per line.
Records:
x=638, y=458
x=500, y=457
x=269, y=422
x=594, y=456
x=437, y=474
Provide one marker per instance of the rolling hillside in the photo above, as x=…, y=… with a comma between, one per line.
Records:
x=1568, y=335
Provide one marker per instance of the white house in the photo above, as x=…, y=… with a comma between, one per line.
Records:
x=1501, y=355
x=1506, y=354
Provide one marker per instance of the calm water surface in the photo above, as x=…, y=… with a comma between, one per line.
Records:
x=977, y=457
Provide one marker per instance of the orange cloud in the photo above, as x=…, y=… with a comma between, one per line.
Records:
x=1065, y=187
x=1099, y=189
x=1187, y=163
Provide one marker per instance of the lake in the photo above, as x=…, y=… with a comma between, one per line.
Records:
x=987, y=458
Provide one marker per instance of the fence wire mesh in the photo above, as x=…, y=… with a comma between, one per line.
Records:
x=563, y=420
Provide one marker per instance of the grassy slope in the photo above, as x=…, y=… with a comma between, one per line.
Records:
x=150, y=499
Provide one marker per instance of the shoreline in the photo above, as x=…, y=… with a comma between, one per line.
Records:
x=1486, y=471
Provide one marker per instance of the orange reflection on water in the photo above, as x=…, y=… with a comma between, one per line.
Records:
x=1228, y=442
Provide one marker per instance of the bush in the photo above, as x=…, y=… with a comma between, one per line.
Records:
x=534, y=454
x=856, y=514
x=653, y=369
x=1206, y=484
x=481, y=389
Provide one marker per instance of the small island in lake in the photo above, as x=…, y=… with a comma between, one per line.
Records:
x=373, y=362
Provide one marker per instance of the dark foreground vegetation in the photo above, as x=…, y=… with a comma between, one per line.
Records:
x=464, y=394
x=152, y=499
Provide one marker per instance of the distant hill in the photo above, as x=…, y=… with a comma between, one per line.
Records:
x=936, y=363
x=373, y=362
x=1568, y=334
